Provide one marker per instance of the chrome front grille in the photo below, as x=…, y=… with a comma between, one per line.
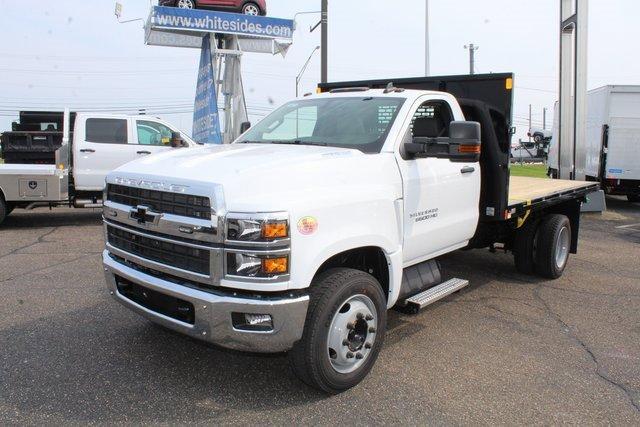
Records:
x=159, y=233
x=168, y=253
x=161, y=201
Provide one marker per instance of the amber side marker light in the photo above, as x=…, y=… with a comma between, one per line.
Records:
x=275, y=230
x=275, y=265
x=469, y=149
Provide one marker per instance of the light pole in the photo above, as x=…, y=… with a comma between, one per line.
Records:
x=324, y=41
x=427, y=70
x=304, y=68
x=472, y=57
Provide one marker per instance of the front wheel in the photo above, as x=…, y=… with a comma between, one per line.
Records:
x=344, y=330
x=251, y=9
x=5, y=209
x=633, y=198
x=186, y=4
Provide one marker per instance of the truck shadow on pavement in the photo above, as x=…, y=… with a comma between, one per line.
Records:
x=55, y=218
x=103, y=363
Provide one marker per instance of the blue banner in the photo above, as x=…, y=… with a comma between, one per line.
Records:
x=206, y=121
x=220, y=22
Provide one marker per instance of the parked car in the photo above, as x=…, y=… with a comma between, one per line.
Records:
x=247, y=7
x=540, y=135
x=529, y=150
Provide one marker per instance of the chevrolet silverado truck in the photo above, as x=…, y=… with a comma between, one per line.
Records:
x=46, y=164
x=300, y=235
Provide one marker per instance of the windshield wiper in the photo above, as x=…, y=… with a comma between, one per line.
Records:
x=299, y=142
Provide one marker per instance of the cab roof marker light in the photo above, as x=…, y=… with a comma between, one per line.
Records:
x=508, y=84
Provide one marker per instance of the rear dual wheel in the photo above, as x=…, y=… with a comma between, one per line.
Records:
x=543, y=247
x=344, y=330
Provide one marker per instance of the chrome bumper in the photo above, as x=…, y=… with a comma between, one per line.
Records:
x=213, y=312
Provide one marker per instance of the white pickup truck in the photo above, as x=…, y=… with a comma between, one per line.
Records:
x=42, y=168
x=334, y=208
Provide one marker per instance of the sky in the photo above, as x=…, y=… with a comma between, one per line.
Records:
x=74, y=53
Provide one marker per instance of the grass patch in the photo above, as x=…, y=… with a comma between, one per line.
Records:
x=532, y=171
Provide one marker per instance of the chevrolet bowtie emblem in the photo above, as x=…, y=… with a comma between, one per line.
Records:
x=143, y=215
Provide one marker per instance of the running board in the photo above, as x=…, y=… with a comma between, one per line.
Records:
x=431, y=295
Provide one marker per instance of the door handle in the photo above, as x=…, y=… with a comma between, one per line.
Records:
x=87, y=150
x=144, y=152
x=467, y=169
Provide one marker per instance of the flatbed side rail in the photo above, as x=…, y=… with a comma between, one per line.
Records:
x=519, y=208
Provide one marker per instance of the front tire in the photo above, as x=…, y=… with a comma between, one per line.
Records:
x=633, y=198
x=344, y=330
x=553, y=244
x=4, y=209
x=186, y=4
x=251, y=9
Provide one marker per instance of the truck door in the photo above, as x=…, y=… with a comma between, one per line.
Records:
x=151, y=137
x=441, y=197
x=101, y=144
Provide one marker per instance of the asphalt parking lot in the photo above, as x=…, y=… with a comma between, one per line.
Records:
x=508, y=349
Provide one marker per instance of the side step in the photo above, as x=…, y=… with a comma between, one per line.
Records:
x=436, y=293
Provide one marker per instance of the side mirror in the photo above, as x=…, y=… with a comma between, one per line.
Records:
x=177, y=141
x=244, y=126
x=462, y=145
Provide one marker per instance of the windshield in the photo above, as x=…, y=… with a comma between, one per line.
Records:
x=350, y=122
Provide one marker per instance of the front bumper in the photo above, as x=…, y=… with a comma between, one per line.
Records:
x=212, y=312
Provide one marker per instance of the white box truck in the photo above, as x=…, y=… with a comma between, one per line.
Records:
x=612, y=143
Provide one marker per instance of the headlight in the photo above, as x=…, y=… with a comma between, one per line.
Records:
x=257, y=227
x=257, y=245
x=255, y=265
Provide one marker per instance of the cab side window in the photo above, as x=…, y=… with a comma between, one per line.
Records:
x=431, y=120
x=153, y=133
x=106, y=131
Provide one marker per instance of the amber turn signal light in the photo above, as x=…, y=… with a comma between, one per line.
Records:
x=275, y=230
x=469, y=149
x=275, y=265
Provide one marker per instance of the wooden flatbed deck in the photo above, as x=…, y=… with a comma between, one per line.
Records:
x=526, y=190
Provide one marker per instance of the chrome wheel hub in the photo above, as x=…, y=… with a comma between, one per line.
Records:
x=562, y=247
x=352, y=334
x=185, y=4
x=251, y=9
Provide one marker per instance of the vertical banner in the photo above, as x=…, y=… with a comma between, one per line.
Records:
x=206, y=121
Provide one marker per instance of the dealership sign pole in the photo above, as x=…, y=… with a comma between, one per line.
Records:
x=222, y=39
x=206, y=123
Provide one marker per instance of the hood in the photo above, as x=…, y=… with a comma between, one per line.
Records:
x=271, y=176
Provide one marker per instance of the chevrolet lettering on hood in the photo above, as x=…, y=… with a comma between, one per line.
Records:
x=152, y=185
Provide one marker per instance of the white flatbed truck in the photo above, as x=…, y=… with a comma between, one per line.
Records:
x=300, y=235
x=57, y=167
